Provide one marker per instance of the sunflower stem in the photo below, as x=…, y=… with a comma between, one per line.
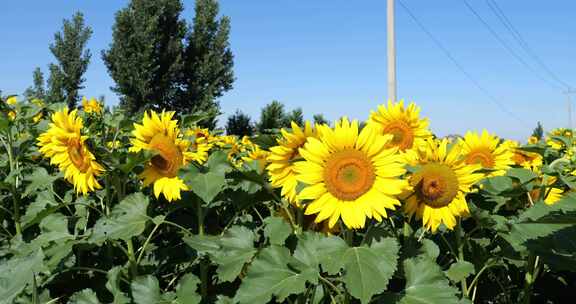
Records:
x=530, y=277
x=203, y=265
x=132, y=259
x=460, y=249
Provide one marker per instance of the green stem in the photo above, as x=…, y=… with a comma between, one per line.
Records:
x=132, y=259
x=460, y=248
x=143, y=248
x=203, y=265
x=530, y=277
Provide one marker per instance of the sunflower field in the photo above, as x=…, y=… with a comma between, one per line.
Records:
x=101, y=206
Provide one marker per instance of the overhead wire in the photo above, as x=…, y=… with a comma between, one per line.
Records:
x=522, y=42
x=508, y=48
x=459, y=66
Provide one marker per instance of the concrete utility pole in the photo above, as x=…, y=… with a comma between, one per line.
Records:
x=569, y=104
x=391, y=43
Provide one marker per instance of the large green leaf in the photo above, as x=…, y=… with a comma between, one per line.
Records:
x=547, y=231
x=86, y=296
x=426, y=283
x=368, y=269
x=459, y=271
x=38, y=207
x=276, y=230
x=231, y=251
x=186, y=291
x=113, y=285
x=207, y=185
x=18, y=272
x=269, y=275
x=127, y=219
x=38, y=180
x=146, y=290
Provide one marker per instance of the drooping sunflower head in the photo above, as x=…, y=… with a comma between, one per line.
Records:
x=487, y=150
x=525, y=159
x=350, y=175
x=64, y=144
x=440, y=181
x=408, y=130
x=282, y=157
x=91, y=106
x=159, y=133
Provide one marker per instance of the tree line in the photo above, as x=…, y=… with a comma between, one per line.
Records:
x=158, y=60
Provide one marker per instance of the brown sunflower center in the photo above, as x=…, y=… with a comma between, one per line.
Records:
x=435, y=184
x=403, y=135
x=481, y=156
x=76, y=155
x=348, y=174
x=169, y=157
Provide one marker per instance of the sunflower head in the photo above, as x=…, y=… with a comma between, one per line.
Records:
x=12, y=100
x=487, y=150
x=282, y=157
x=408, y=130
x=350, y=175
x=439, y=185
x=525, y=159
x=159, y=134
x=64, y=144
x=91, y=106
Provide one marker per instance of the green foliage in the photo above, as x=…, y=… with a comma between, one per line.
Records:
x=272, y=117
x=538, y=132
x=239, y=124
x=207, y=62
x=296, y=116
x=66, y=77
x=145, y=56
x=319, y=119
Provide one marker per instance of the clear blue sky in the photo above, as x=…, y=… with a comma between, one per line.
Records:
x=329, y=56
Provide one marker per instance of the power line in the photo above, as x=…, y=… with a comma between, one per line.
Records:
x=507, y=47
x=522, y=42
x=448, y=54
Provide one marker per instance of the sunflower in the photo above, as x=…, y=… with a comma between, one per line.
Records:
x=532, y=140
x=64, y=144
x=553, y=194
x=349, y=175
x=403, y=123
x=486, y=150
x=12, y=100
x=281, y=159
x=159, y=133
x=525, y=159
x=202, y=143
x=440, y=182
x=91, y=106
x=256, y=154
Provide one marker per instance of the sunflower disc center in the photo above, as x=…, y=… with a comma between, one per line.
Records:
x=169, y=158
x=403, y=135
x=483, y=157
x=348, y=174
x=76, y=155
x=436, y=185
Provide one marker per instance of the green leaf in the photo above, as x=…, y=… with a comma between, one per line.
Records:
x=231, y=251
x=218, y=163
x=146, y=290
x=39, y=180
x=426, y=283
x=546, y=230
x=186, y=291
x=38, y=207
x=18, y=272
x=207, y=185
x=499, y=184
x=368, y=269
x=459, y=271
x=276, y=230
x=113, y=285
x=127, y=219
x=86, y=296
x=317, y=249
x=269, y=275
x=523, y=175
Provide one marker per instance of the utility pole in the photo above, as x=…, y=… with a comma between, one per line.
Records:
x=569, y=105
x=391, y=44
